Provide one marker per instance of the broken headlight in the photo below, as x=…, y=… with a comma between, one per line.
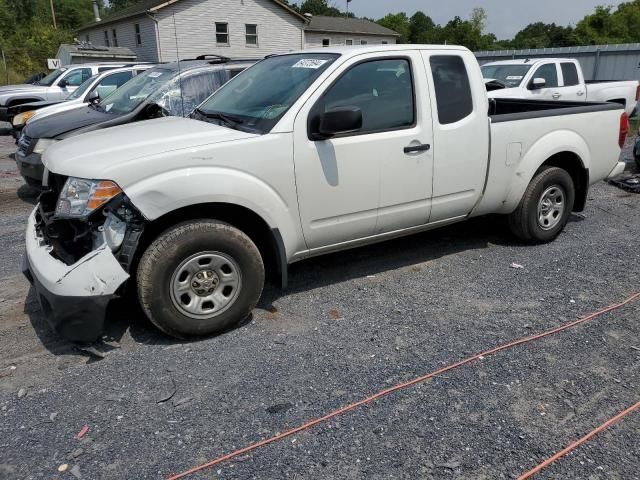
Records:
x=79, y=197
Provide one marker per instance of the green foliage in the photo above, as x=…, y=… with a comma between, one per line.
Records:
x=321, y=7
x=543, y=35
x=27, y=36
x=399, y=22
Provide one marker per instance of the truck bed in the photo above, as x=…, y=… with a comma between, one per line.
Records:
x=511, y=109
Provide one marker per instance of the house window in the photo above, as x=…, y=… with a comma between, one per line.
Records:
x=138, y=36
x=326, y=42
x=87, y=39
x=363, y=42
x=251, y=34
x=222, y=33
x=348, y=42
x=115, y=37
x=106, y=38
x=384, y=42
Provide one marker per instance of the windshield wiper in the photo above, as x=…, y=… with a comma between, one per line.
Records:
x=225, y=117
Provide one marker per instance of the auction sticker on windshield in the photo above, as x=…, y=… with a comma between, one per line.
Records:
x=514, y=77
x=309, y=63
x=155, y=74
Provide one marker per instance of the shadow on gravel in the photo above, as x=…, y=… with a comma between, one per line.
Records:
x=391, y=255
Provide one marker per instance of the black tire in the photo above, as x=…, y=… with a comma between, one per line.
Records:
x=156, y=276
x=524, y=221
x=32, y=182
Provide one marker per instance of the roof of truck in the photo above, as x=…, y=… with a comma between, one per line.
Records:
x=360, y=49
x=529, y=61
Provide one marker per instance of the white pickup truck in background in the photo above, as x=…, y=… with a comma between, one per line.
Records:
x=302, y=154
x=557, y=79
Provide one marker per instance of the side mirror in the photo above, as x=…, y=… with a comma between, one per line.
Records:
x=93, y=97
x=538, y=83
x=63, y=83
x=337, y=120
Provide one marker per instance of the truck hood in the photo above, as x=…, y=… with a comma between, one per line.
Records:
x=22, y=89
x=60, y=123
x=105, y=154
x=505, y=93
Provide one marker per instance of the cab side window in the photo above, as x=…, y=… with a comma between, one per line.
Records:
x=381, y=89
x=570, y=74
x=452, y=88
x=550, y=73
x=111, y=82
x=76, y=77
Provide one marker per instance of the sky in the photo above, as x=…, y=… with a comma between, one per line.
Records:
x=506, y=17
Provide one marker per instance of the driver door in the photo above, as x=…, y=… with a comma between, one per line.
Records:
x=551, y=91
x=374, y=180
x=73, y=80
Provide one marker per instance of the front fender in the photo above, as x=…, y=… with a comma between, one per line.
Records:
x=164, y=193
x=559, y=141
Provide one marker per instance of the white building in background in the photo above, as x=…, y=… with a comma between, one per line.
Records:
x=165, y=30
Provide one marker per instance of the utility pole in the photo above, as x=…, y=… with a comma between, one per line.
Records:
x=53, y=15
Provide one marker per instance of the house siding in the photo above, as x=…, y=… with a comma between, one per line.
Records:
x=314, y=39
x=278, y=30
x=126, y=34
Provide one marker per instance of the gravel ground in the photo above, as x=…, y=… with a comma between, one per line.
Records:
x=350, y=324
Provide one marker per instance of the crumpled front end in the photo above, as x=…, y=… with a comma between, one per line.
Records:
x=77, y=266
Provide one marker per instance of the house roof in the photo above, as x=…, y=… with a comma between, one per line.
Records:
x=319, y=23
x=88, y=50
x=149, y=6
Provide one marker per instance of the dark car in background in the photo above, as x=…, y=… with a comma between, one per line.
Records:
x=173, y=89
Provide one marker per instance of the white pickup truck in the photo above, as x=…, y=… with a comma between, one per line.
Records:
x=554, y=79
x=302, y=154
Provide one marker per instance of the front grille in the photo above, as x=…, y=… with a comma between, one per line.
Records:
x=25, y=146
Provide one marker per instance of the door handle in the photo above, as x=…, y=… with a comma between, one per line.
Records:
x=580, y=93
x=556, y=95
x=423, y=147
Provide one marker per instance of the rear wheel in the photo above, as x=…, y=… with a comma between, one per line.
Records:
x=199, y=278
x=545, y=207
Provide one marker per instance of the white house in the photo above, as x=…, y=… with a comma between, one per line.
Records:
x=167, y=30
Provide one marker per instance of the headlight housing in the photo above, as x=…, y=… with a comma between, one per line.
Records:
x=42, y=144
x=79, y=197
x=22, y=118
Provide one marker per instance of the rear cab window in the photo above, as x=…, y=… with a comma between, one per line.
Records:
x=569, y=74
x=452, y=88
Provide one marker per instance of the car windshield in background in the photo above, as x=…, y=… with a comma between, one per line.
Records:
x=82, y=89
x=509, y=75
x=128, y=97
x=49, y=79
x=257, y=98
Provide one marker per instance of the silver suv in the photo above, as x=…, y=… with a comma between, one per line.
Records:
x=56, y=86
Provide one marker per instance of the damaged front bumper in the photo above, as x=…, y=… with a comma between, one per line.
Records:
x=73, y=297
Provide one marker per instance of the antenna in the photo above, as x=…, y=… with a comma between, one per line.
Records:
x=175, y=34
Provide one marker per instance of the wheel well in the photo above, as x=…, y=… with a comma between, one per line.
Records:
x=572, y=163
x=21, y=101
x=268, y=240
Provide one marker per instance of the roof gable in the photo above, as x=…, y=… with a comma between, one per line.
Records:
x=149, y=6
x=319, y=23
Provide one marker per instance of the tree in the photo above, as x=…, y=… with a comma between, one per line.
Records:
x=320, y=7
x=543, y=35
x=398, y=22
x=422, y=29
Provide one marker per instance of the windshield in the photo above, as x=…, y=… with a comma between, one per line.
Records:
x=82, y=89
x=260, y=96
x=128, y=97
x=509, y=75
x=49, y=79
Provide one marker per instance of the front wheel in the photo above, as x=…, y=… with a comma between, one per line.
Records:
x=545, y=207
x=199, y=278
